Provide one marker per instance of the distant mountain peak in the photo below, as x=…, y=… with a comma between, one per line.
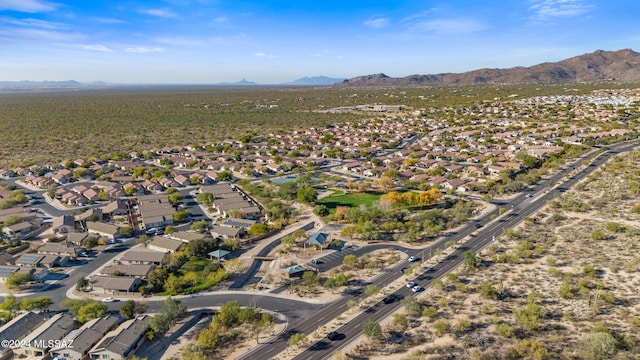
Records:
x=600, y=65
x=316, y=80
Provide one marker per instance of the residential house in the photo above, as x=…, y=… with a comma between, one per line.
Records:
x=38, y=340
x=19, y=230
x=142, y=257
x=76, y=238
x=29, y=260
x=138, y=270
x=226, y=232
x=63, y=224
x=5, y=272
x=61, y=248
x=155, y=210
x=6, y=259
x=122, y=342
x=115, y=284
x=93, y=213
x=185, y=236
x=107, y=231
x=19, y=327
x=236, y=222
x=117, y=207
x=82, y=340
x=163, y=244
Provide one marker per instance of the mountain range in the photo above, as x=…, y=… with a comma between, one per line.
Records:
x=622, y=66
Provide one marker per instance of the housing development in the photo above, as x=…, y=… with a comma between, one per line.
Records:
x=332, y=241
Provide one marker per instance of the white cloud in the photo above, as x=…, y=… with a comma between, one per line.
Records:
x=548, y=9
x=180, y=41
x=448, y=26
x=97, y=47
x=377, y=23
x=143, y=50
x=163, y=13
x=38, y=35
x=29, y=6
x=103, y=20
x=264, y=55
x=33, y=23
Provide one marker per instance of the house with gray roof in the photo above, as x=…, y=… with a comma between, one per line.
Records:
x=186, y=236
x=20, y=326
x=22, y=228
x=123, y=341
x=29, y=260
x=83, y=339
x=160, y=243
x=63, y=224
x=155, y=210
x=55, y=328
x=138, y=270
x=143, y=257
x=61, y=248
x=107, y=231
x=226, y=232
x=115, y=284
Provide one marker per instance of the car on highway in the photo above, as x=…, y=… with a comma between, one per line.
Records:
x=333, y=335
x=109, y=300
x=391, y=298
x=416, y=288
x=412, y=259
x=478, y=225
x=411, y=284
x=529, y=195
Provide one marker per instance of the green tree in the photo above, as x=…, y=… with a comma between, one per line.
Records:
x=470, y=260
x=91, y=311
x=205, y=198
x=258, y=229
x=225, y=175
x=126, y=231
x=297, y=339
x=181, y=215
x=372, y=329
x=321, y=210
x=349, y=261
x=89, y=242
x=307, y=195
x=127, y=310
x=172, y=310
x=17, y=280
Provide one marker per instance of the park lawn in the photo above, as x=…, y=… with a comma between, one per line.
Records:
x=339, y=198
x=195, y=264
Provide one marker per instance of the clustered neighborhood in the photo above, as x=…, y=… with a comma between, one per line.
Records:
x=458, y=154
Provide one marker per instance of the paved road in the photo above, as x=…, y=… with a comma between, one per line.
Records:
x=522, y=206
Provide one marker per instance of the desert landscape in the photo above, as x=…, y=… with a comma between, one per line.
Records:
x=562, y=285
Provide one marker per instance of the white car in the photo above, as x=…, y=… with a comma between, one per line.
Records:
x=108, y=300
x=411, y=284
x=416, y=288
x=412, y=259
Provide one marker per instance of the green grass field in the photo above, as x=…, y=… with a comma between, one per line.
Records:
x=339, y=198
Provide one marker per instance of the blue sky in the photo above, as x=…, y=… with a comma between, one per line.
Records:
x=268, y=42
